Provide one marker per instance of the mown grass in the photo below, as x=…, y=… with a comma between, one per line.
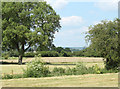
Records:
x=87, y=80
x=57, y=59
x=18, y=69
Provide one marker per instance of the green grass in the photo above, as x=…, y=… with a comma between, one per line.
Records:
x=88, y=80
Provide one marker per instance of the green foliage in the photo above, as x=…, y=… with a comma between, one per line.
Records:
x=104, y=39
x=28, y=24
x=36, y=68
x=69, y=71
x=87, y=52
x=7, y=76
x=6, y=55
x=14, y=53
x=64, y=53
x=58, y=71
x=81, y=69
x=30, y=54
x=60, y=49
x=67, y=50
x=12, y=76
x=49, y=54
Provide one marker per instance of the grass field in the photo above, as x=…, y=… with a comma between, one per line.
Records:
x=88, y=80
x=55, y=62
x=58, y=59
x=17, y=69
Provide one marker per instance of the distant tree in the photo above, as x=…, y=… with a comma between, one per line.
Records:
x=64, y=53
x=104, y=38
x=58, y=49
x=67, y=50
x=26, y=24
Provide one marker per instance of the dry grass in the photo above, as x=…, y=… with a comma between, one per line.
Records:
x=18, y=69
x=88, y=80
x=56, y=62
x=61, y=59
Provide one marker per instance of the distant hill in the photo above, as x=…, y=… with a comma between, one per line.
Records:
x=75, y=48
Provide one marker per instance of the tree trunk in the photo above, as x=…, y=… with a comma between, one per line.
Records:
x=20, y=60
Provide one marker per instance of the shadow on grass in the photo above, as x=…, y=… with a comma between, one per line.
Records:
x=6, y=63
x=60, y=64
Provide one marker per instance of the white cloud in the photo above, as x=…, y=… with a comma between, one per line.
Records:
x=72, y=32
x=71, y=37
x=84, y=29
x=71, y=21
x=107, y=6
x=57, y=4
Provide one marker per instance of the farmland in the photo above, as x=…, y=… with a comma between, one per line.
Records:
x=87, y=80
x=53, y=62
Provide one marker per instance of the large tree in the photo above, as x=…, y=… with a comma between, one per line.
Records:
x=25, y=24
x=104, y=39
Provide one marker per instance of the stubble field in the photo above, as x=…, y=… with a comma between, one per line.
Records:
x=87, y=80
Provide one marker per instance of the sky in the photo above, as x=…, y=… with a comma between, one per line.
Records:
x=77, y=16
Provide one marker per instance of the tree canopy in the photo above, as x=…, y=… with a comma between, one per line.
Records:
x=104, y=39
x=27, y=24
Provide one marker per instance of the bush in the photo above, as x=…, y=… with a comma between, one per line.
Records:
x=30, y=54
x=6, y=55
x=81, y=69
x=65, y=54
x=14, y=54
x=68, y=71
x=104, y=70
x=58, y=71
x=36, y=68
x=94, y=69
x=9, y=76
x=78, y=53
x=49, y=54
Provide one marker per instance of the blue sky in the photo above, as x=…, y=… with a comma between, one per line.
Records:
x=77, y=16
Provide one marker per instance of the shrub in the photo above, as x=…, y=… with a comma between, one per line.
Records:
x=14, y=54
x=12, y=76
x=94, y=69
x=78, y=53
x=58, y=71
x=36, y=68
x=104, y=70
x=6, y=55
x=49, y=54
x=81, y=69
x=97, y=69
x=30, y=54
x=65, y=54
x=7, y=76
x=69, y=71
